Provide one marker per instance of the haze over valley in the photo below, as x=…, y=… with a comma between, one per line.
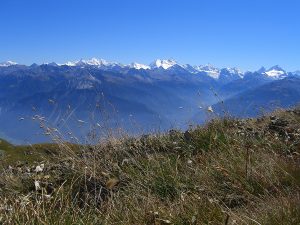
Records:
x=75, y=98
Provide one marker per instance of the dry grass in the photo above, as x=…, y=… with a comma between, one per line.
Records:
x=228, y=172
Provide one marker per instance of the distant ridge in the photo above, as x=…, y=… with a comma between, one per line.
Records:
x=275, y=72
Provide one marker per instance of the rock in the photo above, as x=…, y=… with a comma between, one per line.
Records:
x=189, y=161
x=277, y=124
x=37, y=185
x=39, y=168
x=125, y=161
x=187, y=136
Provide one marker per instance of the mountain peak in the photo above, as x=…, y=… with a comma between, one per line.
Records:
x=163, y=63
x=276, y=72
x=261, y=70
x=231, y=73
x=49, y=64
x=8, y=63
x=211, y=70
x=89, y=62
x=139, y=66
x=297, y=72
x=234, y=70
x=93, y=62
x=276, y=67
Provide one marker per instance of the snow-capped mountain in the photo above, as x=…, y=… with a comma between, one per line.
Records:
x=50, y=64
x=189, y=68
x=230, y=74
x=163, y=63
x=236, y=71
x=210, y=70
x=69, y=63
x=276, y=72
x=139, y=66
x=91, y=62
x=219, y=74
x=8, y=63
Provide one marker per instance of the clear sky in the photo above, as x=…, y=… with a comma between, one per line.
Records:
x=242, y=33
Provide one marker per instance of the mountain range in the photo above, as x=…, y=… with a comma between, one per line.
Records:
x=39, y=102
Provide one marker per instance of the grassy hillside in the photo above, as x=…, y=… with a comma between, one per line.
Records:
x=228, y=172
x=28, y=154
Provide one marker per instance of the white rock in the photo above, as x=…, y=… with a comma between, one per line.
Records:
x=39, y=168
x=37, y=185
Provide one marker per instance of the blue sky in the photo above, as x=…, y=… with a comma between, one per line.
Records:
x=242, y=33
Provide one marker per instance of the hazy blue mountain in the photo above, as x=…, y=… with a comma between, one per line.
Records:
x=262, y=99
x=296, y=73
x=75, y=96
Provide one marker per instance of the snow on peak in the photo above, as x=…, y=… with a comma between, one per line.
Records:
x=163, y=63
x=138, y=66
x=92, y=62
x=275, y=72
x=236, y=71
x=89, y=62
x=69, y=63
x=189, y=68
x=50, y=64
x=8, y=63
x=96, y=62
x=209, y=69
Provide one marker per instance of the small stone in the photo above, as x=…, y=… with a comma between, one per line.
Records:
x=39, y=168
x=188, y=135
x=125, y=161
x=37, y=185
x=194, y=220
x=47, y=196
